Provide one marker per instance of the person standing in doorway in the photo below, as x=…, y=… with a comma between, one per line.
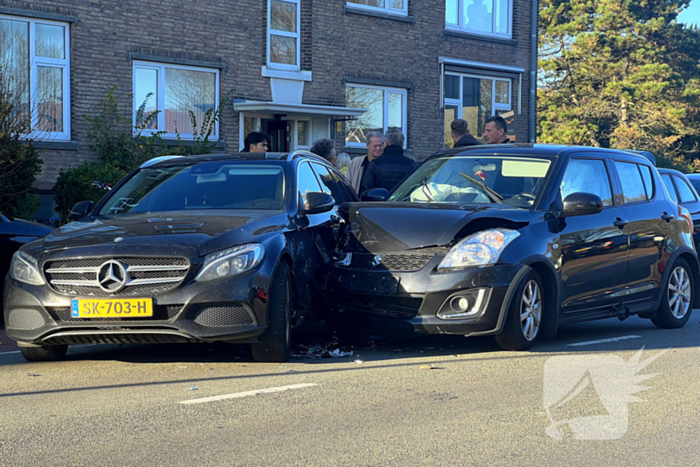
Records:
x=359, y=165
x=387, y=171
x=256, y=142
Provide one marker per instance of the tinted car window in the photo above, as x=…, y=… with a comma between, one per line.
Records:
x=587, y=176
x=669, y=184
x=696, y=184
x=332, y=184
x=687, y=195
x=210, y=185
x=648, y=180
x=631, y=181
x=307, y=182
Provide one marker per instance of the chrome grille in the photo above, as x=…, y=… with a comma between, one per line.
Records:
x=143, y=276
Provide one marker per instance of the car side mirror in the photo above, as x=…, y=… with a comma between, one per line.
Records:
x=81, y=210
x=581, y=204
x=316, y=203
x=375, y=194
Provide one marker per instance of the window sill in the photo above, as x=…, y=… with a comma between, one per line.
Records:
x=378, y=14
x=480, y=37
x=61, y=145
x=285, y=74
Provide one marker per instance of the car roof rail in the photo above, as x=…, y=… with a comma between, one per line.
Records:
x=156, y=160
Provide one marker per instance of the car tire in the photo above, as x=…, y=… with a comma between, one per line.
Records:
x=45, y=353
x=676, y=305
x=275, y=345
x=524, y=320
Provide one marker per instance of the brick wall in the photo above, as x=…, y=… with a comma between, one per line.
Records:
x=337, y=45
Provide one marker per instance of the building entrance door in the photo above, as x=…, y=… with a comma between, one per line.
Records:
x=280, y=132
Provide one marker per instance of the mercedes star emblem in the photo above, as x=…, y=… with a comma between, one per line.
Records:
x=112, y=276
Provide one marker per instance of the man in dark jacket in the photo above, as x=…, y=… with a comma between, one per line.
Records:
x=391, y=168
x=461, y=135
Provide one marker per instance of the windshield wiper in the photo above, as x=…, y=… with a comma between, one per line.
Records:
x=494, y=195
x=425, y=187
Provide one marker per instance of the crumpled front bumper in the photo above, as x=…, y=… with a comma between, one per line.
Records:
x=408, y=303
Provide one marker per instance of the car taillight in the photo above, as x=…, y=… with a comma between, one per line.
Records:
x=685, y=214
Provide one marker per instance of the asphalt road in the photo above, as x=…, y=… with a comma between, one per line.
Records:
x=440, y=401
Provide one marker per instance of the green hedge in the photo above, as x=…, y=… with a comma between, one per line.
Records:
x=75, y=185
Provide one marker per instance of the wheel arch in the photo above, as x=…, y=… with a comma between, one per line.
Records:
x=552, y=290
x=687, y=255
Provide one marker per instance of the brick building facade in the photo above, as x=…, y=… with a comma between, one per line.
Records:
x=299, y=69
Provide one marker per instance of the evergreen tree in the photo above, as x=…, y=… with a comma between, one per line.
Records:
x=620, y=74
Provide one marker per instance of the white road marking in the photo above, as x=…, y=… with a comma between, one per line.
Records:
x=248, y=393
x=11, y=351
x=603, y=341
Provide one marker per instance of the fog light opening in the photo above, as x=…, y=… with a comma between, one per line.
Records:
x=464, y=304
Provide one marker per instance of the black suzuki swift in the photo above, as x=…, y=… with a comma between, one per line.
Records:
x=195, y=249
x=513, y=240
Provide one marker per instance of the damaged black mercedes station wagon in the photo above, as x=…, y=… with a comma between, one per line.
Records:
x=195, y=249
x=514, y=240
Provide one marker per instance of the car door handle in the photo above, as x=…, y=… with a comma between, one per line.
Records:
x=620, y=223
x=667, y=217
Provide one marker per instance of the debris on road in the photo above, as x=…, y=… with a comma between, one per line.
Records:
x=32, y=374
x=359, y=362
x=321, y=351
x=192, y=388
x=431, y=367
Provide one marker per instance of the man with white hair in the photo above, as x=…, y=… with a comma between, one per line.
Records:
x=358, y=166
x=391, y=168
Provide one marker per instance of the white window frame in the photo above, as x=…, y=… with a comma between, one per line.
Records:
x=384, y=9
x=494, y=106
x=460, y=26
x=295, y=35
x=404, y=108
x=34, y=63
x=160, y=105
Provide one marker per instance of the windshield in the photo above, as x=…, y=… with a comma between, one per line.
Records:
x=515, y=181
x=209, y=185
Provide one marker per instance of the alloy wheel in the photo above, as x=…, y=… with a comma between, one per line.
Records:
x=679, y=292
x=530, y=310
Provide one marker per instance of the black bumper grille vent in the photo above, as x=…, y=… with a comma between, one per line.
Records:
x=25, y=319
x=223, y=316
x=397, y=262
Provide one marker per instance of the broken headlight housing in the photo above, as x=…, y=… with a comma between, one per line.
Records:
x=478, y=249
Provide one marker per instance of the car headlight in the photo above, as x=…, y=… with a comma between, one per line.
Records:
x=231, y=262
x=478, y=249
x=24, y=268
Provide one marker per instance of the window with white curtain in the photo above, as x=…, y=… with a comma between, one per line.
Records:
x=486, y=17
x=35, y=70
x=283, y=24
x=166, y=96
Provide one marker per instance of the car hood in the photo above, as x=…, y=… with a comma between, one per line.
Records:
x=384, y=227
x=23, y=228
x=172, y=233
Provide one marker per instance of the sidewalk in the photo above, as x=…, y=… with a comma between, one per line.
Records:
x=6, y=344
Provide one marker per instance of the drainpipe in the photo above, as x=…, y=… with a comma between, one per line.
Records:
x=533, y=70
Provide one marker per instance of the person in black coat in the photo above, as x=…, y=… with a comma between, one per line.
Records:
x=392, y=167
x=461, y=135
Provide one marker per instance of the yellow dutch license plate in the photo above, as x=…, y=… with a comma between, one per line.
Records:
x=112, y=308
